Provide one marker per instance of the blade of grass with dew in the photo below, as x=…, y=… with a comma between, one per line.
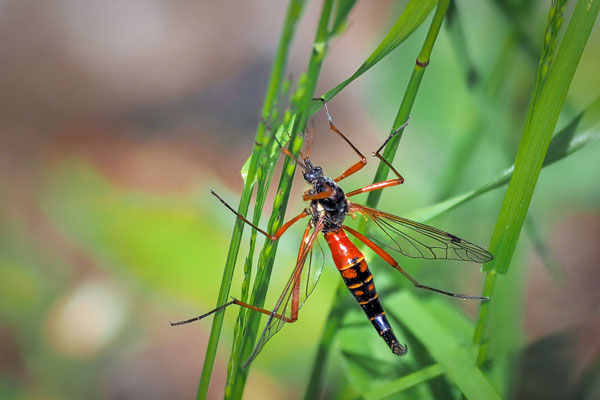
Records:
x=582, y=130
x=289, y=27
x=336, y=312
x=456, y=359
x=545, y=107
x=236, y=388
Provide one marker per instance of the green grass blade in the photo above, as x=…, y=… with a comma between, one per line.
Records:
x=305, y=93
x=261, y=194
x=408, y=100
x=293, y=14
x=342, y=9
x=544, y=109
x=406, y=382
x=411, y=18
x=454, y=358
x=582, y=130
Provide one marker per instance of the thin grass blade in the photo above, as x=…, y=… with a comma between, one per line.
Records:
x=581, y=131
x=545, y=108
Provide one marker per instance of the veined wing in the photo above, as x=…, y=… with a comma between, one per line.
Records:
x=307, y=272
x=417, y=240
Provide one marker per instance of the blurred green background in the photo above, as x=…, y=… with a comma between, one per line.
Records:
x=116, y=118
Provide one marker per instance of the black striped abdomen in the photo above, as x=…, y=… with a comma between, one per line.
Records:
x=359, y=280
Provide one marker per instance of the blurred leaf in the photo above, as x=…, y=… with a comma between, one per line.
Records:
x=544, y=366
x=342, y=9
x=401, y=384
x=583, y=129
x=369, y=362
x=454, y=358
x=161, y=241
x=588, y=386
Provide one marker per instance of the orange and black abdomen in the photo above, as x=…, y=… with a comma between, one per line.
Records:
x=354, y=269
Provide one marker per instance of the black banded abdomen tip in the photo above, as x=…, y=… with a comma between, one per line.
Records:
x=398, y=349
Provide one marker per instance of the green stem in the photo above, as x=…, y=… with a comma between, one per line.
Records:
x=337, y=312
x=409, y=98
x=267, y=256
x=275, y=80
x=484, y=309
x=545, y=105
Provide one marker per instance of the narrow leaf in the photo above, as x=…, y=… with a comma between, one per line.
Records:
x=411, y=18
x=406, y=382
x=456, y=360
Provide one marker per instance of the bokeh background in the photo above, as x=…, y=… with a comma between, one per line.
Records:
x=117, y=117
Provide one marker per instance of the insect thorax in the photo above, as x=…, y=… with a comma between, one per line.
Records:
x=333, y=209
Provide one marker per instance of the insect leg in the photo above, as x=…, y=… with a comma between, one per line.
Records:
x=323, y=195
x=355, y=167
x=378, y=155
x=390, y=260
x=277, y=234
x=295, y=293
x=377, y=186
x=388, y=183
x=239, y=303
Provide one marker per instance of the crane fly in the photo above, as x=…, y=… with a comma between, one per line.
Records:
x=329, y=207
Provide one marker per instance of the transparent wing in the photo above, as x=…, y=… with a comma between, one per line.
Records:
x=417, y=240
x=307, y=272
x=313, y=268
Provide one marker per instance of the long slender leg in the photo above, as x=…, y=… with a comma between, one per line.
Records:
x=239, y=303
x=295, y=297
x=363, y=161
x=383, y=184
x=390, y=260
x=323, y=195
x=376, y=186
x=378, y=154
x=355, y=167
x=277, y=234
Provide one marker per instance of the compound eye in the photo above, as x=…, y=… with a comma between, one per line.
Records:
x=318, y=170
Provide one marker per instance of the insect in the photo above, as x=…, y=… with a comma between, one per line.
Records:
x=329, y=207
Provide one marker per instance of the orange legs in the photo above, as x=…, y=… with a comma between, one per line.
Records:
x=363, y=161
x=354, y=168
x=277, y=234
x=376, y=186
x=295, y=291
x=390, y=260
x=318, y=196
x=234, y=301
